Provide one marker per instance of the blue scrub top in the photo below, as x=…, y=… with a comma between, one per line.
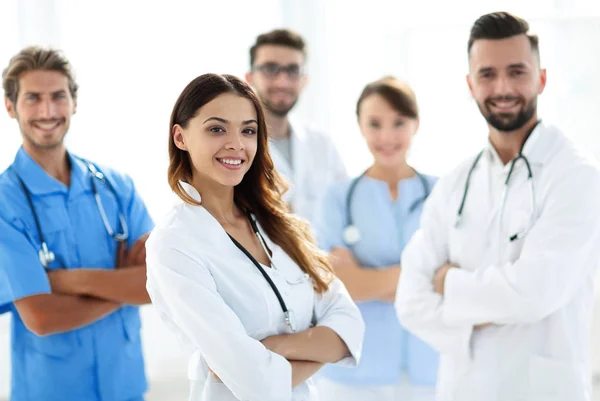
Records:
x=102, y=361
x=385, y=227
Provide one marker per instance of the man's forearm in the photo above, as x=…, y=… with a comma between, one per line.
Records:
x=303, y=370
x=125, y=285
x=55, y=313
x=318, y=344
x=369, y=284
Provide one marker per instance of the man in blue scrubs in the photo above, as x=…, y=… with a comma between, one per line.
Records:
x=72, y=269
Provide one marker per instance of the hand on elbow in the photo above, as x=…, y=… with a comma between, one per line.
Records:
x=214, y=375
x=66, y=282
x=439, y=279
x=275, y=344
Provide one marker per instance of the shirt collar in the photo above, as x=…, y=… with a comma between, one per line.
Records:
x=191, y=191
x=39, y=182
x=533, y=149
x=80, y=176
x=296, y=129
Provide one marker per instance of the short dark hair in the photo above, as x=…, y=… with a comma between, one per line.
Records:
x=278, y=37
x=396, y=92
x=502, y=25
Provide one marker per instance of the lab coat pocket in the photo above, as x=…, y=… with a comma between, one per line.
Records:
x=298, y=294
x=215, y=389
x=517, y=223
x=54, y=345
x=554, y=380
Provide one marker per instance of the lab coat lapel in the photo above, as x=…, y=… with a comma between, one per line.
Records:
x=534, y=150
x=300, y=155
x=281, y=164
x=283, y=168
x=517, y=206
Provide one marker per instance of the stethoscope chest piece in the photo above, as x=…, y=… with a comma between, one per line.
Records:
x=351, y=235
x=290, y=320
x=46, y=256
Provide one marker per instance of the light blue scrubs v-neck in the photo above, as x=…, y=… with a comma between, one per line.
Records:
x=385, y=226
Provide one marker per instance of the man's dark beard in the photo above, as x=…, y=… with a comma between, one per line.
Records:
x=499, y=122
x=278, y=111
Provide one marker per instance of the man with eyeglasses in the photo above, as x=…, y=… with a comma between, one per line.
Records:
x=308, y=159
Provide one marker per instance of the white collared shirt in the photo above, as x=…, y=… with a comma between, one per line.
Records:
x=537, y=291
x=220, y=307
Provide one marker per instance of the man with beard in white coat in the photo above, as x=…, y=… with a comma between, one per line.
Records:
x=306, y=158
x=500, y=276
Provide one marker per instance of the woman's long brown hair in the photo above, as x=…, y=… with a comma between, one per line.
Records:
x=261, y=189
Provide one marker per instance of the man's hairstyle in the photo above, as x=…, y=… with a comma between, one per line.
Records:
x=502, y=25
x=278, y=37
x=36, y=58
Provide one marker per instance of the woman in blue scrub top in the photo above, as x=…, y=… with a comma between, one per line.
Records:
x=364, y=224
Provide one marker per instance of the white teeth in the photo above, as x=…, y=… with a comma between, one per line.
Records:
x=46, y=126
x=233, y=162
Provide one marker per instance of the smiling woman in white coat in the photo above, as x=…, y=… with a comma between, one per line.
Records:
x=230, y=271
x=500, y=276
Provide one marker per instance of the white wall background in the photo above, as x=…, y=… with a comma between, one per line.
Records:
x=132, y=59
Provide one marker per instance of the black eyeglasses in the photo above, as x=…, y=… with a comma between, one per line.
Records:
x=272, y=70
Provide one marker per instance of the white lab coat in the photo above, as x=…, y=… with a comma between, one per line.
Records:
x=220, y=307
x=316, y=165
x=538, y=291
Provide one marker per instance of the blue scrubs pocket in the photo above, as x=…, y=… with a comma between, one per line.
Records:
x=55, y=345
x=53, y=222
x=55, y=368
x=123, y=363
x=133, y=325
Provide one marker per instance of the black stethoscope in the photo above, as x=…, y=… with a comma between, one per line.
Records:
x=289, y=315
x=520, y=156
x=46, y=255
x=351, y=233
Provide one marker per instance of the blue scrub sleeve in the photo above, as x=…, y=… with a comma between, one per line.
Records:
x=331, y=218
x=21, y=273
x=138, y=218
